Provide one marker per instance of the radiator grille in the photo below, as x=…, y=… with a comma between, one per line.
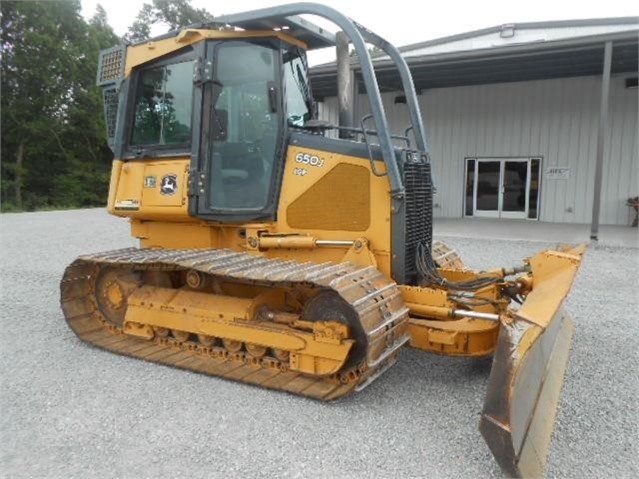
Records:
x=339, y=201
x=418, y=212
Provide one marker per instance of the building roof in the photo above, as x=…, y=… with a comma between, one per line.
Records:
x=505, y=53
x=521, y=33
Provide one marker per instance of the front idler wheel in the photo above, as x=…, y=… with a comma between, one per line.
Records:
x=113, y=286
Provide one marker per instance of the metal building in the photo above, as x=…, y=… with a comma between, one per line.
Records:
x=535, y=121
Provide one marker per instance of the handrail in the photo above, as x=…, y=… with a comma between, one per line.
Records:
x=369, y=149
x=407, y=83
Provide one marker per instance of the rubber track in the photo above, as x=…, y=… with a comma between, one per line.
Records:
x=375, y=298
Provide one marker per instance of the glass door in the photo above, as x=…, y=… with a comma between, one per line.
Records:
x=487, y=188
x=502, y=188
x=514, y=187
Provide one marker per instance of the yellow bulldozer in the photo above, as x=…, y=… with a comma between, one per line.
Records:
x=274, y=253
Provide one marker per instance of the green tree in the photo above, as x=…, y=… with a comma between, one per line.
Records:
x=374, y=52
x=53, y=142
x=172, y=13
x=85, y=178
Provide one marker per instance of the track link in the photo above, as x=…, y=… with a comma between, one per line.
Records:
x=376, y=300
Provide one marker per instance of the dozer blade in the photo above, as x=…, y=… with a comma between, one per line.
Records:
x=528, y=368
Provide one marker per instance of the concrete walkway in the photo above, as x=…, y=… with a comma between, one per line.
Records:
x=624, y=236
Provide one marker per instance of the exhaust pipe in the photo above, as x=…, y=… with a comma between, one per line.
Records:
x=344, y=85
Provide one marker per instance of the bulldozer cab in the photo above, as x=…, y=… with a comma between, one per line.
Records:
x=228, y=95
x=228, y=103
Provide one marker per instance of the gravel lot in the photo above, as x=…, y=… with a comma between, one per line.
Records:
x=70, y=410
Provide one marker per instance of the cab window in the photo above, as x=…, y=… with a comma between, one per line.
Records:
x=163, y=105
x=298, y=96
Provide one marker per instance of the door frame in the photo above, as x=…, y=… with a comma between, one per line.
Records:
x=499, y=213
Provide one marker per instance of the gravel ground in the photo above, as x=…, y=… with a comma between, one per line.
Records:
x=70, y=410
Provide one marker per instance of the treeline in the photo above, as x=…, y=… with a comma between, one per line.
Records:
x=54, y=151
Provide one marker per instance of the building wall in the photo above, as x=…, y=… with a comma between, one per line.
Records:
x=556, y=120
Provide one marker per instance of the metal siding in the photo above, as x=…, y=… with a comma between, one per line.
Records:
x=553, y=119
x=620, y=177
x=328, y=111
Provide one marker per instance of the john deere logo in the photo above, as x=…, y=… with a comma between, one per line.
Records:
x=168, y=186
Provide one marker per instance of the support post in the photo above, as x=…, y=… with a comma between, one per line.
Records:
x=344, y=84
x=601, y=135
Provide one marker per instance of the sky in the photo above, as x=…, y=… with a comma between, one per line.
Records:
x=403, y=22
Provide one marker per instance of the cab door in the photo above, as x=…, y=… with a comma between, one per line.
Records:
x=238, y=159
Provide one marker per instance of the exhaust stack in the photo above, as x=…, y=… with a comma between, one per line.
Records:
x=344, y=85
